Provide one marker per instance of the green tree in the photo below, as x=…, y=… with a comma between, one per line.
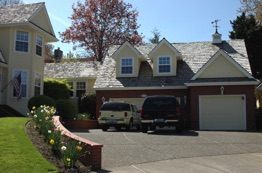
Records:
x=248, y=28
x=98, y=24
x=156, y=37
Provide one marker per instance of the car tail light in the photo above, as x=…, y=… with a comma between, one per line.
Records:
x=141, y=112
x=125, y=114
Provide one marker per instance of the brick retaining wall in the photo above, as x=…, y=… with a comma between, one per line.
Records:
x=93, y=158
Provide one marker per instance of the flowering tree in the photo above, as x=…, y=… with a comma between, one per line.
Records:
x=98, y=24
x=253, y=7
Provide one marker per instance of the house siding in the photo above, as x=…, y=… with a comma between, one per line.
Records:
x=248, y=91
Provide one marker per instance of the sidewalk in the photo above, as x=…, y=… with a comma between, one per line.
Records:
x=239, y=163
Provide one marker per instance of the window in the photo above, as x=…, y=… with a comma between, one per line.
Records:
x=80, y=88
x=39, y=45
x=71, y=93
x=164, y=65
x=126, y=66
x=23, y=82
x=22, y=41
x=37, y=84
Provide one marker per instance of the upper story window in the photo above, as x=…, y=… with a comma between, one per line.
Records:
x=22, y=41
x=164, y=65
x=126, y=65
x=39, y=45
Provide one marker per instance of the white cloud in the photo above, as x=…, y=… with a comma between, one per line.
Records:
x=63, y=22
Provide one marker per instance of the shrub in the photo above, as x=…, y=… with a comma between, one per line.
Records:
x=66, y=109
x=87, y=104
x=56, y=89
x=37, y=101
x=82, y=116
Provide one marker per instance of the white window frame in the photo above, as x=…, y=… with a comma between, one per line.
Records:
x=38, y=45
x=24, y=82
x=37, y=76
x=158, y=64
x=28, y=41
x=121, y=65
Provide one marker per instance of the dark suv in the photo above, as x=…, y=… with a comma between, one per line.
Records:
x=161, y=110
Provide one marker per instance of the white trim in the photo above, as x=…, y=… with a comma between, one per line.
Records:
x=240, y=95
x=169, y=45
x=42, y=46
x=38, y=74
x=222, y=83
x=230, y=59
x=29, y=41
x=2, y=57
x=120, y=69
x=171, y=65
x=140, y=88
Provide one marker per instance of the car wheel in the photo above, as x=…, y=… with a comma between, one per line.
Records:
x=138, y=127
x=144, y=128
x=130, y=125
x=152, y=127
x=104, y=128
x=179, y=128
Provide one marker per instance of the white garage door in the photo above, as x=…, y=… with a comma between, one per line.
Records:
x=135, y=101
x=222, y=112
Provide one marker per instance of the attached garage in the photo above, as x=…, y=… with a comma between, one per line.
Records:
x=222, y=112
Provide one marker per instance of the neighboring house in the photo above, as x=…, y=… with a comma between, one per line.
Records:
x=24, y=31
x=81, y=76
x=211, y=80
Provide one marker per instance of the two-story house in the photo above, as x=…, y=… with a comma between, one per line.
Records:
x=211, y=80
x=24, y=31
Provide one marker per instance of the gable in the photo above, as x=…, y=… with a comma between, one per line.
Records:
x=221, y=65
x=41, y=19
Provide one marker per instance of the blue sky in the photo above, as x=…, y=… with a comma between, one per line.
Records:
x=176, y=20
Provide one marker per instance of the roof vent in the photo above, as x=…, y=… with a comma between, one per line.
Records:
x=216, y=37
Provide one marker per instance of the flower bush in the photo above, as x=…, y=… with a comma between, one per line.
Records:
x=70, y=150
x=82, y=116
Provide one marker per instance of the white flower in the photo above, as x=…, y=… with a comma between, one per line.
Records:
x=63, y=148
x=42, y=110
x=32, y=112
x=62, y=133
x=35, y=116
x=49, y=131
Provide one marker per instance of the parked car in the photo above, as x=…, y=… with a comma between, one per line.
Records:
x=118, y=115
x=161, y=111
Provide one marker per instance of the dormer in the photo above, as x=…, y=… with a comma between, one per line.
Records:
x=128, y=60
x=164, y=58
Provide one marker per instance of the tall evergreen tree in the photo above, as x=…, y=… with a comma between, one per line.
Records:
x=248, y=28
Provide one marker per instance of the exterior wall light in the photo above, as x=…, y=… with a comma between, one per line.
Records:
x=222, y=90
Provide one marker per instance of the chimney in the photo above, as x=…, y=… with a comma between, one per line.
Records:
x=58, y=54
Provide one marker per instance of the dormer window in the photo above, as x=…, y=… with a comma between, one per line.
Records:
x=22, y=41
x=127, y=65
x=164, y=64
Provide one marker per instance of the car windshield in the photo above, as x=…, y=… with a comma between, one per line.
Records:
x=115, y=107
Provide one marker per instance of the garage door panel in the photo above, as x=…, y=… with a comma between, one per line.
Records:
x=222, y=113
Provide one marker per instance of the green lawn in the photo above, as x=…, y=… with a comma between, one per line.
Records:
x=17, y=153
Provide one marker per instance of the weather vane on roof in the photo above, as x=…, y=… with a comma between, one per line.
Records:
x=215, y=24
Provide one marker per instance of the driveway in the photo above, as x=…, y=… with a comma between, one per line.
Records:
x=134, y=150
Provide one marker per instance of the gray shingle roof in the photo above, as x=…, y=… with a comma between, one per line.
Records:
x=194, y=55
x=72, y=70
x=18, y=13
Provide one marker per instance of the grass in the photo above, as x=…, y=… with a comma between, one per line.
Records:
x=18, y=154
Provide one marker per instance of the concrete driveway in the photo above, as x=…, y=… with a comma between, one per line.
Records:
x=168, y=151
